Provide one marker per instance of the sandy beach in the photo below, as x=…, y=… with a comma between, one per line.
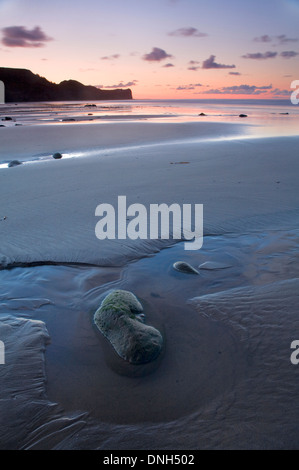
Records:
x=225, y=379
x=50, y=206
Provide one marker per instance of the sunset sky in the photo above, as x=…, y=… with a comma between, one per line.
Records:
x=160, y=48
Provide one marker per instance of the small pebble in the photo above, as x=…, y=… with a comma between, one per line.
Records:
x=14, y=163
x=57, y=156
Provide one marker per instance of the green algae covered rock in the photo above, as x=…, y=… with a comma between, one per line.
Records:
x=121, y=321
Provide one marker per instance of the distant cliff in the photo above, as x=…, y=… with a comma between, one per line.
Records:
x=23, y=85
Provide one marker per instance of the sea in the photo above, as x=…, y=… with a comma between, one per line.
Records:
x=280, y=115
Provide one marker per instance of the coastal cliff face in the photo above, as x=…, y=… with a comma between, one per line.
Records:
x=22, y=85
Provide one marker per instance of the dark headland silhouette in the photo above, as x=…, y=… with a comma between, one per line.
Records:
x=21, y=85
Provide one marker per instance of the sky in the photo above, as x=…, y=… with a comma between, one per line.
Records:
x=161, y=49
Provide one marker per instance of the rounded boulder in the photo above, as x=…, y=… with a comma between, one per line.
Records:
x=120, y=319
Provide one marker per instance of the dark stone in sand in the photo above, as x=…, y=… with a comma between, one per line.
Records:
x=57, y=156
x=90, y=106
x=14, y=163
x=120, y=320
x=202, y=114
x=7, y=118
x=184, y=268
x=284, y=114
x=243, y=115
x=1, y=125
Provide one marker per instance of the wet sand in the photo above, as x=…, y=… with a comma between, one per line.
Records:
x=41, y=141
x=49, y=207
x=225, y=379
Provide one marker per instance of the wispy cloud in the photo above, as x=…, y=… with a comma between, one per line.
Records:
x=289, y=54
x=240, y=90
x=193, y=65
x=260, y=55
x=213, y=91
x=191, y=86
x=278, y=92
x=168, y=65
x=270, y=55
x=283, y=39
x=211, y=64
x=20, y=36
x=264, y=38
x=156, y=55
x=187, y=32
x=111, y=57
x=208, y=64
x=122, y=85
x=234, y=73
x=179, y=88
